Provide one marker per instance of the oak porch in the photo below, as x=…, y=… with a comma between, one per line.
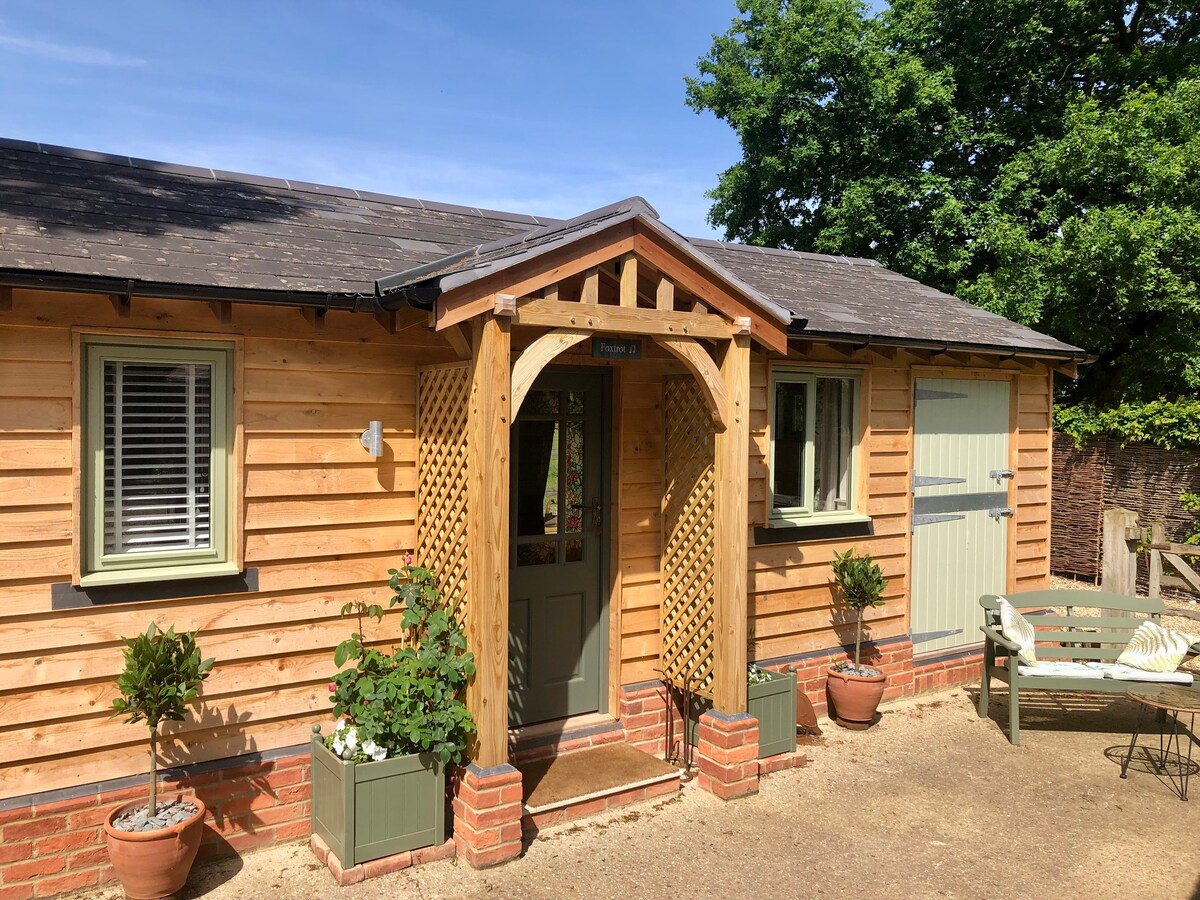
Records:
x=464, y=421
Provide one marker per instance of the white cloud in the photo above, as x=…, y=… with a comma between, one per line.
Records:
x=69, y=53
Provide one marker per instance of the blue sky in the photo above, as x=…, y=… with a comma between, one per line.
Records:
x=541, y=107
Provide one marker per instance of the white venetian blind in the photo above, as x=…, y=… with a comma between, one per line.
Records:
x=157, y=456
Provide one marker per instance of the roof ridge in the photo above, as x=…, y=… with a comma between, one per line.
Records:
x=780, y=251
x=306, y=187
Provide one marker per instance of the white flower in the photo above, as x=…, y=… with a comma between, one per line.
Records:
x=374, y=751
x=352, y=738
x=338, y=747
x=340, y=726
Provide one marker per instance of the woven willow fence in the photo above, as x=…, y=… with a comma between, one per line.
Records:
x=689, y=538
x=442, y=488
x=1104, y=475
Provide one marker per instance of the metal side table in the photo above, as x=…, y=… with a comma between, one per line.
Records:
x=1170, y=761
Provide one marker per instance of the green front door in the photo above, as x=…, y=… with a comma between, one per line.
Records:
x=960, y=516
x=556, y=632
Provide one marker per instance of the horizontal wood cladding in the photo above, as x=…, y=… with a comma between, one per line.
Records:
x=322, y=520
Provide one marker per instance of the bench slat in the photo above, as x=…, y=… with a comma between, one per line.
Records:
x=1118, y=622
x=1099, y=654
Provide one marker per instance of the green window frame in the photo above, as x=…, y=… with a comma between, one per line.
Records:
x=112, y=551
x=794, y=462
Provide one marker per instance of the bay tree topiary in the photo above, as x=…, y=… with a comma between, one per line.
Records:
x=860, y=582
x=162, y=676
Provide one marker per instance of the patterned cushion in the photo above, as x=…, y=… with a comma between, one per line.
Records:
x=1155, y=649
x=1017, y=628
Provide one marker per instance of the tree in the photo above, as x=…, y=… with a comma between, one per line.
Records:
x=946, y=138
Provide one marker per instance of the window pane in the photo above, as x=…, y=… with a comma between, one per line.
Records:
x=541, y=403
x=832, y=444
x=543, y=553
x=537, y=478
x=157, y=456
x=787, y=469
x=573, y=477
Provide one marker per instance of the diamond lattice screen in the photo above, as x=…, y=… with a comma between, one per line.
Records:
x=442, y=478
x=689, y=537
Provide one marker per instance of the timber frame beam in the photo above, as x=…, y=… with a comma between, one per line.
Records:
x=621, y=320
x=536, y=357
x=701, y=365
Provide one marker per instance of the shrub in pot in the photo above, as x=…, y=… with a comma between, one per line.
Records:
x=401, y=720
x=854, y=689
x=152, y=845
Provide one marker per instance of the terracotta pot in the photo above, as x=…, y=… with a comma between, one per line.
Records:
x=154, y=864
x=855, y=698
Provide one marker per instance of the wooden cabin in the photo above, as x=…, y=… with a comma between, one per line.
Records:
x=629, y=455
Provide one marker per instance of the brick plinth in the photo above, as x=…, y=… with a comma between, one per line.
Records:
x=376, y=867
x=487, y=815
x=894, y=659
x=939, y=674
x=644, y=711
x=727, y=754
x=53, y=843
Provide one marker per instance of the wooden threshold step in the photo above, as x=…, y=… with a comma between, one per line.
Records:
x=588, y=782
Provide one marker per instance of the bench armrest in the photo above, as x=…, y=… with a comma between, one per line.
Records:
x=996, y=637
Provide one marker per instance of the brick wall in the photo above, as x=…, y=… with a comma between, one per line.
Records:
x=50, y=844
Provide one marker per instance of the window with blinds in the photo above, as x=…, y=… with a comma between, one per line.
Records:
x=157, y=456
x=156, y=429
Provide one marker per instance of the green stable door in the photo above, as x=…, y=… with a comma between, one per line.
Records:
x=961, y=513
x=557, y=624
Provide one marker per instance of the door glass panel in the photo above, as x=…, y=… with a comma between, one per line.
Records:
x=541, y=403
x=574, y=550
x=787, y=470
x=832, y=444
x=573, y=477
x=541, y=553
x=575, y=403
x=537, y=478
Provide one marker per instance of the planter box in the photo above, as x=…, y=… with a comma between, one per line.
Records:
x=364, y=811
x=773, y=703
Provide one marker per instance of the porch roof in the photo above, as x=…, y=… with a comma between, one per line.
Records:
x=92, y=221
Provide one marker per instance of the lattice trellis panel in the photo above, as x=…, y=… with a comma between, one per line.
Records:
x=689, y=537
x=442, y=478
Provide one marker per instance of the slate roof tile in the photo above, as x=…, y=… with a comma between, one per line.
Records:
x=79, y=212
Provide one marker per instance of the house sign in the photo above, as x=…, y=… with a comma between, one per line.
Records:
x=616, y=348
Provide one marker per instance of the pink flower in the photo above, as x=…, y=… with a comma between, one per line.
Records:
x=408, y=560
x=332, y=687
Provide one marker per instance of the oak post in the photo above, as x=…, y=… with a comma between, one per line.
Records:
x=629, y=280
x=487, y=537
x=732, y=452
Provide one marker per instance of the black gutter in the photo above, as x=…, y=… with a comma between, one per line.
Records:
x=390, y=284
x=122, y=287
x=874, y=340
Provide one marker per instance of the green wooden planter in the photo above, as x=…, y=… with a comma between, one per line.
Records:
x=773, y=703
x=364, y=811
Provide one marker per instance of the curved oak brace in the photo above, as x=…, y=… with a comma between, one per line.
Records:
x=701, y=365
x=536, y=357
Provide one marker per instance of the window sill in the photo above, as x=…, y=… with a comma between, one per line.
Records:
x=185, y=585
x=157, y=574
x=815, y=528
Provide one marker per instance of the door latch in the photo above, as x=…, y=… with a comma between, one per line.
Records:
x=997, y=474
x=1000, y=512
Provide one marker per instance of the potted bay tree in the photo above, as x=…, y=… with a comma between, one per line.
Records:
x=379, y=777
x=152, y=845
x=854, y=689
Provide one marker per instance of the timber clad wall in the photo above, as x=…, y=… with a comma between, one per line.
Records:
x=323, y=523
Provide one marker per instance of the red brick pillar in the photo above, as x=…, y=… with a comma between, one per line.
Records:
x=727, y=752
x=487, y=815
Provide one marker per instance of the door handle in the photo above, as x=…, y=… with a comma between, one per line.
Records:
x=595, y=511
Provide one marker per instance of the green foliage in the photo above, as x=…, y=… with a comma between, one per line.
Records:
x=861, y=584
x=1039, y=159
x=1172, y=424
x=1191, y=502
x=411, y=699
x=162, y=676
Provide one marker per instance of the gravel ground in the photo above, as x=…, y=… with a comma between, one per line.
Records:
x=932, y=802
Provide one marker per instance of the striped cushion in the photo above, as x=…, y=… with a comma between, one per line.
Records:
x=1017, y=628
x=1155, y=649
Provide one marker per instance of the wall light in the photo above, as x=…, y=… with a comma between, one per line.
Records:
x=372, y=439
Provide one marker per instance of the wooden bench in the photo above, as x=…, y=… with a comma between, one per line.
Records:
x=1061, y=637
